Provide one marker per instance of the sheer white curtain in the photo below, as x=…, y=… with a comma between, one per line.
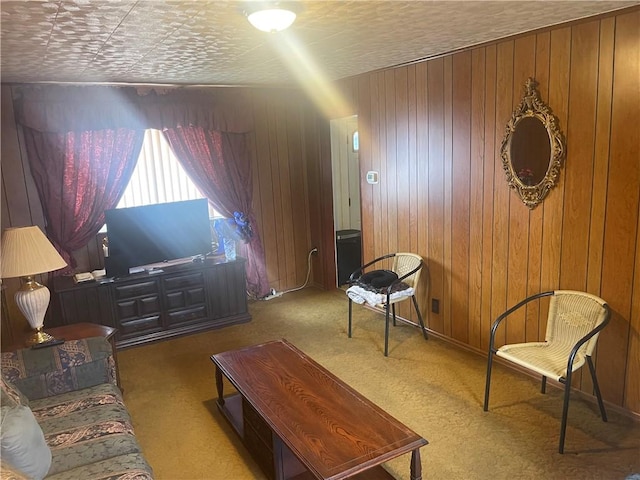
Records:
x=158, y=176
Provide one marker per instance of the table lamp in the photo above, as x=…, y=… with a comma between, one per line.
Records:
x=26, y=252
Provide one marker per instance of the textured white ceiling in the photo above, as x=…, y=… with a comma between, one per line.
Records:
x=207, y=42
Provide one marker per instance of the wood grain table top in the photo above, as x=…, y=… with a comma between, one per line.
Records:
x=330, y=427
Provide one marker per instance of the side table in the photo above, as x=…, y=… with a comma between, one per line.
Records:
x=77, y=331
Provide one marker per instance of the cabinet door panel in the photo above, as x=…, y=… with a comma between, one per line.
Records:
x=228, y=290
x=88, y=303
x=126, y=309
x=195, y=296
x=252, y=418
x=186, y=298
x=136, y=289
x=260, y=452
x=183, y=281
x=148, y=305
x=188, y=315
x=175, y=300
x=258, y=438
x=141, y=325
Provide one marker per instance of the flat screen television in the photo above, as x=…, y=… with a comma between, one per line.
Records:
x=157, y=233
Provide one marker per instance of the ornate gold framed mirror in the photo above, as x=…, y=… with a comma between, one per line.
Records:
x=533, y=148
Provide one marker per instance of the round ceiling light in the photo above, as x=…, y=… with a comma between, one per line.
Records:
x=272, y=19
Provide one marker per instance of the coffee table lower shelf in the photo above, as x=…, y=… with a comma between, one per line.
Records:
x=237, y=411
x=375, y=473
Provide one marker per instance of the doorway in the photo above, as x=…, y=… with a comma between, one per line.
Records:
x=345, y=167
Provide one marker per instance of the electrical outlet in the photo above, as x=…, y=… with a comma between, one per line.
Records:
x=435, y=305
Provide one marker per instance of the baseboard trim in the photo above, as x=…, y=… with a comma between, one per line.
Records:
x=635, y=417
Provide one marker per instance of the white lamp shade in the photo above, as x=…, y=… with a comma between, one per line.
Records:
x=272, y=20
x=27, y=251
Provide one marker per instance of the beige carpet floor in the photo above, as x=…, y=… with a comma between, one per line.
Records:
x=433, y=387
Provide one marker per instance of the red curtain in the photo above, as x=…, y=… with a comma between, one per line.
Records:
x=219, y=165
x=78, y=176
x=83, y=142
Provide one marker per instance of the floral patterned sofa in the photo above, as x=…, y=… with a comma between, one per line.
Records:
x=63, y=416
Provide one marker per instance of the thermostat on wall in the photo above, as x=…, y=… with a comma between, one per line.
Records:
x=372, y=177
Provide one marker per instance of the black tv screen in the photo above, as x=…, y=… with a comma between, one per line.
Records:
x=151, y=234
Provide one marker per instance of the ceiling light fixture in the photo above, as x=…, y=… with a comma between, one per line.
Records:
x=272, y=19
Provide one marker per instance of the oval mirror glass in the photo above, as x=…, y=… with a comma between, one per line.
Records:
x=530, y=151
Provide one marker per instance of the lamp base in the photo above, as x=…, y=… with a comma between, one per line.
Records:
x=39, y=337
x=33, y=299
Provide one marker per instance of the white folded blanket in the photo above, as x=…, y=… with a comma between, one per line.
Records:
x=361, y=295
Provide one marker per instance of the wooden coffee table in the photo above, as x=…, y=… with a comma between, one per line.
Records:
x=299, y=421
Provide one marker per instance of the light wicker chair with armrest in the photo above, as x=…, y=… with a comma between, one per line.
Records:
x=407, y=267
x=574, y=322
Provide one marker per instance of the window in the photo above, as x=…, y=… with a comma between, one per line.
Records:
x=158, y=176
x=355, y=141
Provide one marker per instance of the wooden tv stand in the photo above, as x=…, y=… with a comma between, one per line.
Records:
x=180, y=300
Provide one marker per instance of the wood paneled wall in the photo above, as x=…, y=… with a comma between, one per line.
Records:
x=434, y=130
x=280, y=180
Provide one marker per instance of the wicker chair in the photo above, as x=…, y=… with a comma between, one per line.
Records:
x=407, y=267
x=574, y=322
